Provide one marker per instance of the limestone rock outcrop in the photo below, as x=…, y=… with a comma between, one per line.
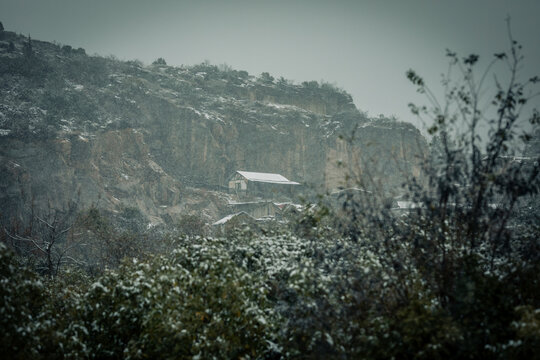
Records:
x=165, y=139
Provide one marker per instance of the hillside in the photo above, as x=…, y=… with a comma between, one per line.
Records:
x=165, y=139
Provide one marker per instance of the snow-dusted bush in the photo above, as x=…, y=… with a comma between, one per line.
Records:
x=195, y=302
x=22, y=299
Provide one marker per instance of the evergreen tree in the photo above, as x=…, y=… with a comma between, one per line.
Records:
x=160, y=61
x=27, y=48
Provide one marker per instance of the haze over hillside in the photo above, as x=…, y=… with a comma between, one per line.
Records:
x=123, y=134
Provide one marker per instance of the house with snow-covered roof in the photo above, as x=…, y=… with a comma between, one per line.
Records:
x=262, y=184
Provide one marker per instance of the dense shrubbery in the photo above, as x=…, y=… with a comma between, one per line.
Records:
x=193, y=302
x=21, y=299
x=273, y=296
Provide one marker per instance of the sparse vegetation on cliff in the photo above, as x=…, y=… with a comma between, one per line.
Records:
x=159, y=134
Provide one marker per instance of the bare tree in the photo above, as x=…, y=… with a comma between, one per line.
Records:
x=44, y=240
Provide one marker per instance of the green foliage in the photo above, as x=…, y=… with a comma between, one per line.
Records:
x=28, y=52
x=159, y=61
x=243, y=74
x=266, y=78
x=32, y=66
x=226, y=68
x=135, y=63
x=68, y=50
x=291, y=297
x=283, y=82
x=88, y=69
x=330, y=87
x=465, y=234
x=528, y=331
x=131, y=220
x=311, y=84
x=105, y=243
x=191, y=225
x=191, y=303
x=22, y=298
x=80, y=51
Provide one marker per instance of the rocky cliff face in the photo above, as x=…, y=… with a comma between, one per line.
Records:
x=165, y=139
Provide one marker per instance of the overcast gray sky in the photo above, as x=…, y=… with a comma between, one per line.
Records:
x=364, y=47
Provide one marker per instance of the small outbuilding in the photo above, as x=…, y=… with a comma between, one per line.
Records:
x=239, y=217
x=257, y=209
x=234, y=221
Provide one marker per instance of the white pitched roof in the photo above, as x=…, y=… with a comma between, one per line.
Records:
x=267, y=178
x=229, y=217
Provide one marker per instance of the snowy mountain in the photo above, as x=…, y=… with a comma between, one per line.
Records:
x=165, y=139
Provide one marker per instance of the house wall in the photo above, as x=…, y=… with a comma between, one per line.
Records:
x=257, y=210
x=237, y=184
x=269, y=190
x=267, y=209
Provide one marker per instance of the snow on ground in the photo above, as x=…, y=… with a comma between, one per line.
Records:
x=407, y=204
x=285, y=107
